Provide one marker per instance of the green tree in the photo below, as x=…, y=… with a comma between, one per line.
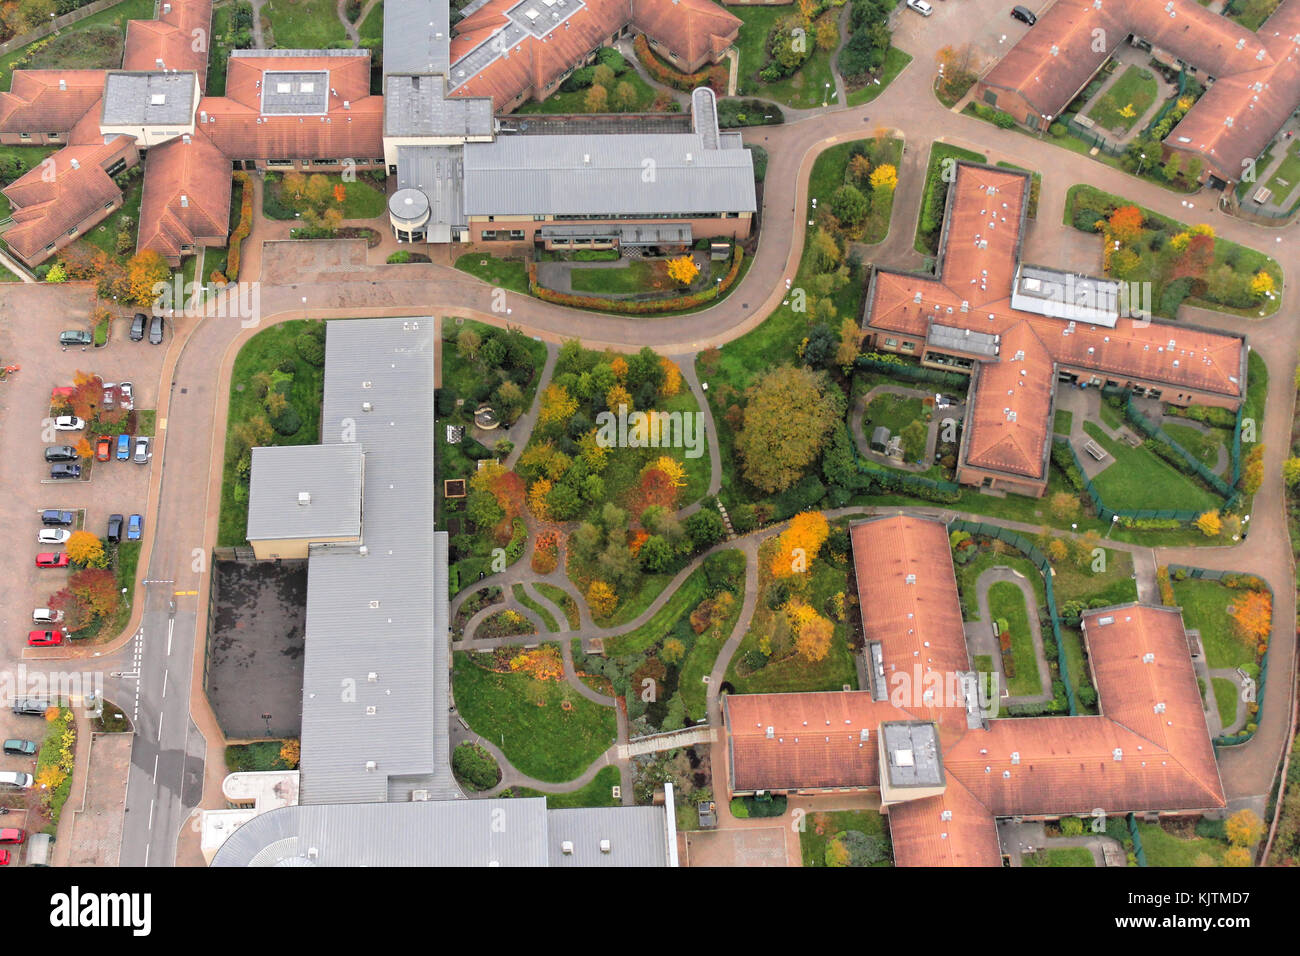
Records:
x=849, y=205
x=789, y=415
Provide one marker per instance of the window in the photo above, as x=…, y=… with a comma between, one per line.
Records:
x=991, y=98
x=488, y=235
x=325, y=162
x=891, y=343
x=539, y=219
x=516, y=234
x=909, y=346
x=279, y=162
x=72, y=232
x=50, y=247
x=53, y=135
x=109, y=204
x=492, y=218
x=24, y=135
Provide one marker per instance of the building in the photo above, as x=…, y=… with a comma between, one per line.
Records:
x=1252, y=79
x=946, y=771
x=1019, y=329
x=374, y=786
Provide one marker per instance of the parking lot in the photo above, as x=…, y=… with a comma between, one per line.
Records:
x=34, y=316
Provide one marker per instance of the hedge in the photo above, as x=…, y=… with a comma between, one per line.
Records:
x=244, y=227
x=600, y=304
x=713, y=77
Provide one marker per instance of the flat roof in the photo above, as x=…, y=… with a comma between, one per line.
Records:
x=295, y=92
x=417, y=104
x=149, y=98
x=437, y=172
x=912, y=755
x=417, y=36
x=330, y=476
x=1066, y=295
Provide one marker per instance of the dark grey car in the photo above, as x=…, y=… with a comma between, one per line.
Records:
x=60, y=453
x=156, y=330
x=137, y=327
x=114, y=529
x=65, y=470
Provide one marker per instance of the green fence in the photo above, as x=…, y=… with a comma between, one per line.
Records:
x=1137, y=840
x=1107, y=513
x=1032, y=552
x=1169, y=103
x=891, y=479
x=915, y=373
x=1210, y=574
x=1190, y=462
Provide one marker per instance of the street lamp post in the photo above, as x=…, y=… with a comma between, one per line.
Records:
x=1142, y=159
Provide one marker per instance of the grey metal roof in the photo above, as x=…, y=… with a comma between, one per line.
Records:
x=1066, y=295
x=668, y=174
x=913, y=755
x=704, y=116
x=149, y=98
x=434, y=833
x=417, y=36
x=437, y=172
x=295, y=92
x=330, y=474
x=636, y=835
x=960, y=338
x=382, y=612
x=635, y=235
x=418, y=105
x=535, y=18
x=568, y=124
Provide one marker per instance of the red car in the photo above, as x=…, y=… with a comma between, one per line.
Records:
x=103, y=447
x=42, y=639
x=51, y=559
x=62, y=393
x=12, y=835
x=4, y=857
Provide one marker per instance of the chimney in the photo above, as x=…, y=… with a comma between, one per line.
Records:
x=160, y=64
x=75, y=164
x=347, y=104
x=167, y=8
x=203, y=116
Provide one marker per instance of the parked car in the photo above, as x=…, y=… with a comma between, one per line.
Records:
x=123, y=447
x=137, y=326
x=110, y=395
x=31, y=706
x=17, y=747
x=53, y=536
x=142, y=451
x=114, y=529
x=126, y=395
x=103, y=447
x=12, y=835
x=15, y=779
x=57, y=518
x=65, y=470
x=1024, y=15
x=921, y=7
x=52, y=559
x=943, y=400
x=44, y=638
x=60, y=453
x=75, y=337
x=156, y=330
x=4, y=857
x=46, y=615
x=68, y=423
x=62, y=393
x=134, y=527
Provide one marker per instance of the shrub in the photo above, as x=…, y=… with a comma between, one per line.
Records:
x=400, y=256
x=673, y=304
x=311, y=346
x=244, y=227
x=475, y=767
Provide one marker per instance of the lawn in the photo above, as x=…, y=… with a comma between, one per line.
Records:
x=895, y=62
x=636, y=275
x=1064, y=421
x=548, y=619
x=305, y=24
x=969, y=573
x=680, y=602
x=1114, y=585
x=104, y=236
x=1133, y=92
x=703, y=655
x=1225, y=698
x=1287, y=175
x=263, y=352
x=1162, y=848
x=598, y=793
x=363, y=199
x=563, y=600
x=935, y=194
x=1007, y=603
x=509, y=274
x=831, y=171
x=372, y=27
x=1205, y=447
x=1138, y=478
x=1060, y=856
x=527, y=719
x=806, y=88
x=783, y=670
x=1205, y=609
x=895, y=412
x=114, y=17
x=820, y=828
x=261, y=756
x=575, y=101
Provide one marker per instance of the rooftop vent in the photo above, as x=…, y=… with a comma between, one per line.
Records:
x=75, y=164
x=1148, y=658
x=567, y=848
x=157, y=99
x=1117, y=754
x=367, y=407
x=372, y=677
x=770, y=733
x=185, y=200
x=371, y=765
x=63, y=84
x=605, y=846
x=304, y=497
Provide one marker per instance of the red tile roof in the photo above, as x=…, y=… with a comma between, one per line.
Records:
x=694, y=29
x=186, y=195
x=173, y=38
x=1149, y=749
x=973, y=290
x=349, y=76
x=35, y=102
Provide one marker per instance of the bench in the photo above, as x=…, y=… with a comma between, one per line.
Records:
x=1095, y=450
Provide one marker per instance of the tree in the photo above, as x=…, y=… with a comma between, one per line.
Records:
x=1237, y=856
x=624, y=96
x=1209, y=523
x=788, y=417
x=290, y=752
x=557, y=406
x=537, y=499
x=85, y=549
x=1253, y=613
x=1064, y=505
x=824, y=250
x=618, y=395
x=1261, y=284
x=1291, y=471
x=704, y=528
x=860, y=169
x=1057, y=550
x=1125, y=224
x=819, y=348
x=596, y=100
x=672, y=377
x=656, y=554
x=914, y=437
x=812, y=631
x=673, y=651
x=1244, y=828
x=467, y=344
x=850, y=342
x=145, y=270
x=849, y=205
x=884, y=178
x=603, y=75
x=601, y=599
x=683, y=270
x=295, y=184
x=1173, y=167
x=1252, y=473
x=800, y=543
x=97, y=589
x=75, y=614
x=319, y=190
x=83, y=448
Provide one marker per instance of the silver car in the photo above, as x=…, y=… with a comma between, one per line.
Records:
x=143, y=452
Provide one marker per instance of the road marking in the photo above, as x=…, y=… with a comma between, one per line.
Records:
x=185, y=593
x=160, y=720
x=146, y=853
x=171, y=625
x=151, y=803
x=165, y=674
x=155, y=768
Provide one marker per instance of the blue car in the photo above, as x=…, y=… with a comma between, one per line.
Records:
x=123, y=447
x=134, y=527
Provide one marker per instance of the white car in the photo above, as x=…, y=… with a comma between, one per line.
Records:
x=15, y=780
x=68, y=423
x=53, y=536
x=45, y=615
x=125, y=396
x=921, y=7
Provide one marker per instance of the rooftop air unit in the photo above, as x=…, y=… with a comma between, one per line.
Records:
x=304, y=497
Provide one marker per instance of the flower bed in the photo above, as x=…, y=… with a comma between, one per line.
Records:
x=601, y=304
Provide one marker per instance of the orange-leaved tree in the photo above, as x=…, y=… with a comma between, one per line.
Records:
x=145, y=270
x=799, y=543
x=1254, y=615
x=1125, y=224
